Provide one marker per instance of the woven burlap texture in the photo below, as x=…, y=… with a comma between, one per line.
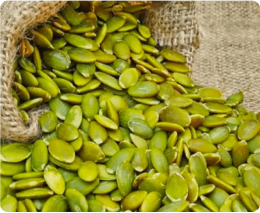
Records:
x=229, y=54
x=178, y=29
x=16, y=18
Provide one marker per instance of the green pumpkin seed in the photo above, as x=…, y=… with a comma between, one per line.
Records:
x=55, y=203
x=139, y=161
x=217, y=108
x=48, y=122
x=22, y=92
x=74, y=116
x=74, y=166
x=15, y=152
x=121, y=50
x=59, y=107
x=27, y=183
x=179, y=101
x=91, y=152
x=226, y=159
x=42, y=41
x=108, y=203
x=133, y=200
x=177, y=206
x=9, y=204
x=221, y=184
x=35, y=193
x=88, y=171
x=237, y=206
x=206, y=189
x=248, y=130
x=54, y=180
x=110, y=147
x=125, y=178
x=173, y=56
x=251, y=179
x=39, y=93
x=143, y=89
x=176, y=67
x=105, y=187
x=103, y=174
x=70, y=15
x=76, y=200
x=81, y=55
x=240, y=153
x=82, y=186
x=71, y=98
x=159, y=161
x=198, y=168
x=39, y=156
x=108, y=80
x=104, y=57
x=28, y=79
x=97, y=132
x=61, y=150
x=209, y=204
x=57, y=59
x=67, y=132
x=96, y=206
x=115, y=23
x=175, y=115
x=140, y=128
x=235, y=99
x=47, y=32
x=124, y=155
x=21, y=207
x=27, y=175
x=86, y=69
x=90, y=106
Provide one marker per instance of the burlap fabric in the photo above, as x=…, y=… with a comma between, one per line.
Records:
x=229, y=54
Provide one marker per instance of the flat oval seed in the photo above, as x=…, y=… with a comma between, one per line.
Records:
x=39, y=93
x=9, y=204
x=59, y=107
x=71, y=98
x=88, y=171
x=159, y=140
x=175, y=115
x=209, y=204
x=105, y=187
x=221, y=184
x=81, y=55
x=178, y=206
x=81, y=42
x=28, y=79
x=248, y=129
x=74, y=116
x=183, y=79
x=179, y=101
x=27, y=183
x=121, y=50
x=176, y=188
x=251, y=179
x=133, y=200
x=108, y=80
x=76, y=200
x=127, y=115
x=212, y=121
x=144, y=31
x=57, y=59
x=91, y=152
x=140, y=128
x=201, y=145
x=35, y=193
x=159, y=161
x=235, y=99
x=61, y=151
x=27, y=65
x=74, y=166
x=171, y=55
x=125, y=178
x=67, y=132
x=198, y=168
x=115, y=23
x=128, y=78
x=97, y=132
x=106, y=122
x=151, y=203
x=103, y=174
x=219, y=134
x=240, y=153
x=39, y=156
x=86, y=69
x=55, y=203
x=108, y=203
x=48, y=122
x=15, y=152
x=124, y=155
x=106, y=69
x=54, y=179
x=90, y=106
x=22, y=92
x=64, y=85
x=217, y=108
x=143, y=89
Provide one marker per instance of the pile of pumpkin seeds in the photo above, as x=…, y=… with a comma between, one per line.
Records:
x=127, y=128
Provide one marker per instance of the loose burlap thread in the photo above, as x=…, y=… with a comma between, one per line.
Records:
x=229, y=54
x=172, y=21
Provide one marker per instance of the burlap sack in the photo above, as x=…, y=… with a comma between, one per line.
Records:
x=229, y=54
x=173, y=23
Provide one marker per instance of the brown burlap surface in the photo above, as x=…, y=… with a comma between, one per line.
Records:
x=229, y=54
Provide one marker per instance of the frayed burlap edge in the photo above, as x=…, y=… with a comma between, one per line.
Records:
x=173, y=25
x=16, y=18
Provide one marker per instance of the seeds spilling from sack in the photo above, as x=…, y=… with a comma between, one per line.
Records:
x=127, y=130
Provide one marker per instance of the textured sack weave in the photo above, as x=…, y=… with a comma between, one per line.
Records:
x=17, y=17
x=178, y=29
x=229, y=54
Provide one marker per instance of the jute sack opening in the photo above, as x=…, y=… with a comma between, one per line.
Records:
x=173, y=23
